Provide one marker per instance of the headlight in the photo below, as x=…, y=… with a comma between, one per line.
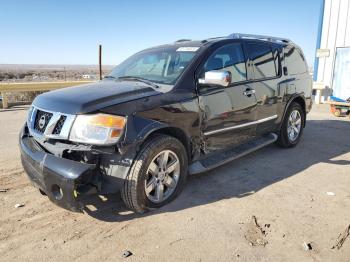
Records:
x=99, y=129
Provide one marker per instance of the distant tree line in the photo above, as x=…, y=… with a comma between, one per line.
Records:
x=47, y=75
x=31, y=75
x=9, y=75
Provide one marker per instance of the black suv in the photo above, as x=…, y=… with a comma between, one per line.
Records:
x=164, y=113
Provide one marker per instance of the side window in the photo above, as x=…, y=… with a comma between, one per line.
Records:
x=263, y=61
x=228, y=58
x=295, y=61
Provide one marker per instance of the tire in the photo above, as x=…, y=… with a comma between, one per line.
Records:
x=143, y=172
x=284, y=139
x=337, y=112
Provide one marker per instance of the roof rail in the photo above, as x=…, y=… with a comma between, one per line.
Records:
x=182, y=40
x=261, y=37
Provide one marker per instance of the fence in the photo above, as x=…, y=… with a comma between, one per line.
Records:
x=33, y=86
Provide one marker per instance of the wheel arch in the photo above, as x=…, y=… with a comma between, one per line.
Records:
x=175, y=132
x=298, y=98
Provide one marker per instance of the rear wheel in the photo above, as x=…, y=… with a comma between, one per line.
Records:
x=292, y=126
x=337, y=112
x=157, y=175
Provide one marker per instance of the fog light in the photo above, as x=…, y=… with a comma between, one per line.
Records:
x=57, y=192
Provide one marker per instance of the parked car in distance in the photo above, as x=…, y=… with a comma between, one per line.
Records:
x=166, y=112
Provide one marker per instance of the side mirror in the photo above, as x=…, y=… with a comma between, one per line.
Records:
x=285, y=70
x=221, y=78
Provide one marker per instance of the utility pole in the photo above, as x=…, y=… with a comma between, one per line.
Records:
x=100, y=60
x=65, y=74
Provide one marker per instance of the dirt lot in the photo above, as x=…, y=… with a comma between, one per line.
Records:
x=286, y=190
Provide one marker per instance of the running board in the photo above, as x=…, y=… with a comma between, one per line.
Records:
x=223, y=157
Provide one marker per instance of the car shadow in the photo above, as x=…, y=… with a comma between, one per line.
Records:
x=322, y=142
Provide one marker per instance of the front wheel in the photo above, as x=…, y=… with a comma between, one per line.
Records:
x=292, y=126
x=157, y=175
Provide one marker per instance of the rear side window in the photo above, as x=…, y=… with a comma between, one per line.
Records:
x=228, y=58
x=262, y=60
x=295, y=61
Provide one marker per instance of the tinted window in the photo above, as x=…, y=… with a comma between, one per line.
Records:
x=295, y=61
x=263, y=60
x=228, y=58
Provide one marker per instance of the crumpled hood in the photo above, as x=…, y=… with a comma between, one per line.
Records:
x=92, y=97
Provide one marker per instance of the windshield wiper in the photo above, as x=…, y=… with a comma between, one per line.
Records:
x=109, y=76
x=140, y=79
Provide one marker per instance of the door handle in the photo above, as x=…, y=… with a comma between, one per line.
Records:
x=249, y=92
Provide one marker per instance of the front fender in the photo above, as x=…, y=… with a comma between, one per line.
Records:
x=140, y=129
x=137, y=131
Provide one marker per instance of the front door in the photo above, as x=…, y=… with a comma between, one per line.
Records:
x=229, y=113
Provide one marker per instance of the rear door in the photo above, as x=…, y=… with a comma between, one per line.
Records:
x=264, y=65
x=229, y=113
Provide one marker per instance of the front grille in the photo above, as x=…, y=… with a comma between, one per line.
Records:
x=59, y=125
x=42, y=119
x=44, y=124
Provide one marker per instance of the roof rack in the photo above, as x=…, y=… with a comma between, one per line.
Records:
x=261, y=37
x=182, y=40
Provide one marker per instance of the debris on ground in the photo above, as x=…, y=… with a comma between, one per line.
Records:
x=342, y=237
x=127, y=253
x=255, y=235
x=19, y=205
x=255, y=220
x=307, y=246
x=330, y=193
x=3, y=190
x=175, y=241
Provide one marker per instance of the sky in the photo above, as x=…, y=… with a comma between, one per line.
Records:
x=69, y=31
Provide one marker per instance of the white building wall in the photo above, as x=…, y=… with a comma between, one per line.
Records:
x=342, y=37
x=335, y=33
x=347, y=31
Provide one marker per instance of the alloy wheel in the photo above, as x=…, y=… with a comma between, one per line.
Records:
x=294, y=125
x=162, y=176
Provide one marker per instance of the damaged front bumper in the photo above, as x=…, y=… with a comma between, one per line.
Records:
x=58, y=177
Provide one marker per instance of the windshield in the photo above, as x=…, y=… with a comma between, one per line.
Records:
x=163, y=66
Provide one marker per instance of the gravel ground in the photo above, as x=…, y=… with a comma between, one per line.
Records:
x=262, y=207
